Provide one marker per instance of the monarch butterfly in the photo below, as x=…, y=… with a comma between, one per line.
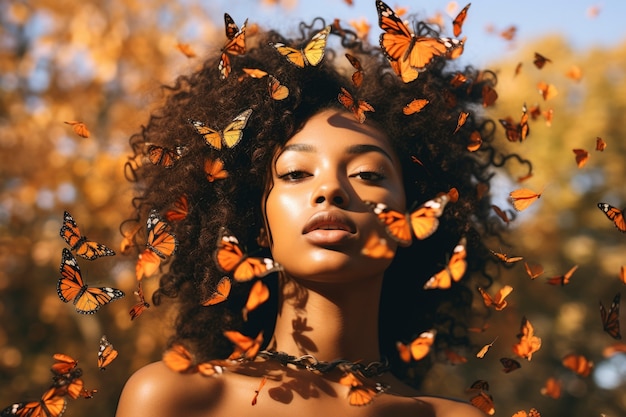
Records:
x=412, y=53
x=528, y=342
x=259, y=293
x=357, y=107
x=214, y=169
x=522, y=198
x=501, y=213
x=454, y=271
x=506, y=258
x=106, y=353
x=179, y=359
x=141, y=305
x=160, y=244
x=484, y=402
x=457, y=23
x=531, y=413
x=312, y=53
x=600, y=144
x=357, y=76
x=221, y=293
x=245, y=347
x=461, y=121
x=418, y=348
x=79, y=128
x=79, y=244
x=359, y=393
x=415, y=106
x=533, y=270
x=579, y=364
x=67, y=377
x=551, y=388
x=517, y=132
x=509, y=365
x=562, y=279
x=421, y=222
x=236, y=44
x=546, y=90
x=540, y=60
x=179, y=209
x=610, y=319
x=614, y=214
x=230, y=136
x=70, y=287
x=277, y=90
x=231, y=259
x=50, y=405
x=498, y=301
x=581, y=156
x=475, y=140
x=164, y=157
x=64, y=364
x=377, y=248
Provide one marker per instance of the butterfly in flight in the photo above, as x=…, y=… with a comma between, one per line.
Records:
x=141, y=305
x=454, y=270
x=245, y=346
x=357, y=107
x=160, y=244
x=421, y=222
x=71, y=287
x=410, y=53
x=359, y=393
x=221, y=292
x=311, y=54
x=457, y=23
x=277, y=90
x=67, y=377
x=51, y=404
x=614, y=214
x=80, y=244
x=106, y=353
x=610, y=318
x=579, y=364
x=232, y=259
x=164, y=157
x=179, y=359
x=236, y=44
x=418, y=348
x=230, y=136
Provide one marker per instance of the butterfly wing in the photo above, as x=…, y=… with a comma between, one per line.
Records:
x=276, y=89
x=293, y=55
x=178, y=358
x=161, y=156
x=454, y=271
x=231, y=259
x=396, y=223
x=221, y=293
x=457, y=23
x=396, y=39
x=236, y=44
x=212, y=137
x=106, y=353
x=425, y=219
x=233, y=133
x=314, y=50
x=610, y=318
x=79, y=244
x=614, y=214
x=160, y=240
x=71, y=284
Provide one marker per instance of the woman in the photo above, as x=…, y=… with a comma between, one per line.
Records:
x=304, y=183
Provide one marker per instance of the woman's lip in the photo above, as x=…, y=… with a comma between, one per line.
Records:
x=325, y=221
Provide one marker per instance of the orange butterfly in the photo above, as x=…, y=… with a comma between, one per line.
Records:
x=501, y=213
x=483, y=351
x=411, y=53
x=66, y=377
x=79, y=128
x=522, y=198
x=64, y=364
x=230, y=136
x=622, y=274
x=533, y=270
x=517, y=132
x=509, y=365
x=164, y=157
x=610, y=319
x=357, y=107
x=600, y=144
x=179, y=359
x=254, y=72
x=377, y=248
x=106, y=353
x=277, y=90
x=475, y=141
x=418, y=348
x=506, y=258
x=461, y=121
x=259, y=293
x=139, y=308
x=457, y=23
x=454, y=271
x=415, y=106
x=540, y=60
x=531, y=413
x=214, y=169
x=231, y=259
x=489, y=94
x=528, y=342
x=579, y=364
x=312, y=53
x=484, y=402
x=357, y=76
x=562, y=279
x=582, y=156
x=186, y=49
x=498, y=302
x=236, y=44
x=51, y=404
x=245, y=347
x=79, y=244
x=179, y=209
x=221, y=293
x=359, y=393
x=160, y=244
x=552, y=388
x=71, y=287
x=613, y=349
x=546, y=90
x=614, y=214
x=421, y=222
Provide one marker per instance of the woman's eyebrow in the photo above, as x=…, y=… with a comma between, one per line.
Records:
x=299, y=147
x=365, y=148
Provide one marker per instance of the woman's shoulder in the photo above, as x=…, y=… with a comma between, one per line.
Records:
x=156, y=390
x=447, y=407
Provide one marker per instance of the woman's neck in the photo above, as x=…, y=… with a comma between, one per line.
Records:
x=329, y=320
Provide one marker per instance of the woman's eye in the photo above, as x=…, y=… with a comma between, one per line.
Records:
x=293, y=176
x=369, y=176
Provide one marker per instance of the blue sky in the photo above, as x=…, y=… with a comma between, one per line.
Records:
x=533, y=19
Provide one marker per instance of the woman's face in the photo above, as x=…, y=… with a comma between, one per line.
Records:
x=315, y=210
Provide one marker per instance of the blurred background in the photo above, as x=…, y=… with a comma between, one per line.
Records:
x=102, y=63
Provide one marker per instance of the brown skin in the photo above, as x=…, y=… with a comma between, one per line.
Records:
x=330, y=291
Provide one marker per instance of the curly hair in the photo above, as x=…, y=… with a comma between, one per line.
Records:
x=433, y=153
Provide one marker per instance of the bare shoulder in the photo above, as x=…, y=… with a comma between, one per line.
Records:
x=157, y=391
x=446, y=407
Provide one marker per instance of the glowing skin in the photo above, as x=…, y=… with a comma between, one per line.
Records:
x=315, y=211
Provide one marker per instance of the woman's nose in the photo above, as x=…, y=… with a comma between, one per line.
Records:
x=331, y=190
